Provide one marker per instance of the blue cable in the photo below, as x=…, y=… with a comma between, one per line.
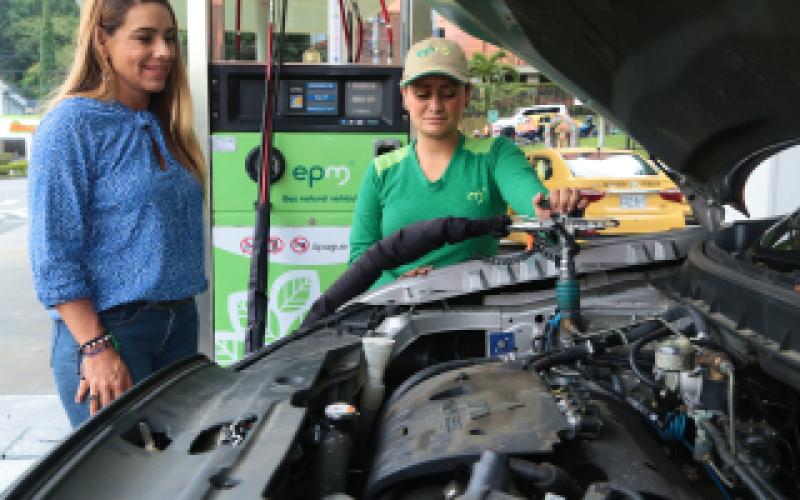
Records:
x=552, y=331
x=674, y=430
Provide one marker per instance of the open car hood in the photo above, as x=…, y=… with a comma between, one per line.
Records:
x=709, y=87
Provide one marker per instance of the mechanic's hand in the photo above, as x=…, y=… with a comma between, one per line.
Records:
x=420, y=271
x=105, y=378
x=561, y=201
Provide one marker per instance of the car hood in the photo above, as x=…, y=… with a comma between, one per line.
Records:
x=709, y=87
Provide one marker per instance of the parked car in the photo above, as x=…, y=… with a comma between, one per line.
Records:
x=658, y=366
x=619, y=183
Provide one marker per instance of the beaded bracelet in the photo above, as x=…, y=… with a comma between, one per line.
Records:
x=99, y=348
x=106, y=340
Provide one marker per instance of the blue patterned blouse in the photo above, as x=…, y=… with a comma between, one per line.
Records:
x=106, y=222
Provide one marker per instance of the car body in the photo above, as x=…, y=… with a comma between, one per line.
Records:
x=675, y=375
x=619, y=183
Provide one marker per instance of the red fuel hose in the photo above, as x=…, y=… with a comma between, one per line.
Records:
x=266, y=136
x=389, y=33
x=360, y=38
x=347, y=40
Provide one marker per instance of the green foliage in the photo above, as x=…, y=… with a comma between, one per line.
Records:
x=36, y=43
x=16, y=167
x=493, y=74
x=5, y=158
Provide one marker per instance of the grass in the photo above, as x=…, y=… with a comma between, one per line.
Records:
x=18, y=168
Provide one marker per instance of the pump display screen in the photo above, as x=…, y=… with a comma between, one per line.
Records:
x=363, y=99
x=313, y=98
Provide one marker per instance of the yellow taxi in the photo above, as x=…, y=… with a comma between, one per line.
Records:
x=620, y=184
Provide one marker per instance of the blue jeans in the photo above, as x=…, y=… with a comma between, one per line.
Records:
x=150, y=337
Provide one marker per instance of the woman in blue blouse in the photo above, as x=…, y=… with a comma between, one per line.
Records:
x=116, y=202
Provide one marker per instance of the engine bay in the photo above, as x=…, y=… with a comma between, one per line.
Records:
x=636, y=401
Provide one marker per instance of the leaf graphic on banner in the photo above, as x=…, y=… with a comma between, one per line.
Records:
x=294, y=295
x=291, y=295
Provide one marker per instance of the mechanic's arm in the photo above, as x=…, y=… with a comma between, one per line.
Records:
x=59, y=193
x=366, y=227
x=522, y=189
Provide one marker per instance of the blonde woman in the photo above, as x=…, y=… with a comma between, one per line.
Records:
x=116, y=197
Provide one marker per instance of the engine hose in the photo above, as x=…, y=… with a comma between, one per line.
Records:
x=432, y=371
x=589, y=348
x=565, y=356
x=759, y=486
x=547, y=477
x=634, y=353
x=404, y=246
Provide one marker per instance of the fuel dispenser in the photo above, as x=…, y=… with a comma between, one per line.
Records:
x=330, y=121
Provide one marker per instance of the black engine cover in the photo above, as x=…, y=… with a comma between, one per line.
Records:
x=450, y=419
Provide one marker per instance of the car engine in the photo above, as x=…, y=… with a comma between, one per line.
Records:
x=628, y=391
x=651, y=408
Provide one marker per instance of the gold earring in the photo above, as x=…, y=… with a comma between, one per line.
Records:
x=106, y=70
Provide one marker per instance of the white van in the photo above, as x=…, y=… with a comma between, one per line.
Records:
x=523, y=113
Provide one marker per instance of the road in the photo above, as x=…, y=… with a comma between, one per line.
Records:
x=24, y=324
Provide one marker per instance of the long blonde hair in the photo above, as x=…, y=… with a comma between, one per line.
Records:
x=172, y=106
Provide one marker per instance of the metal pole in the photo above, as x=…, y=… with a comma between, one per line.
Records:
x=198, y=45
x=601, y=131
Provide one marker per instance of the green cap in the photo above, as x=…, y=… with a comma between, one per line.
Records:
x=435, y=56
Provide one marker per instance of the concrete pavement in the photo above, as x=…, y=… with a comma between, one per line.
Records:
x=31, y=418
x=30, y=426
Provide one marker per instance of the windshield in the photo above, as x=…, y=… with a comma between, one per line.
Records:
x=599, y=164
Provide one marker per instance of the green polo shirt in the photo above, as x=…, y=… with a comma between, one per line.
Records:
x=483, y=178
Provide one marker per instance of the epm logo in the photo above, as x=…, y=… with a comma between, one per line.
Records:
x=340, y=174
x=476, y=196
x=433, y=49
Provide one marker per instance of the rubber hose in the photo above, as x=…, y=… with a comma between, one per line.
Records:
x=547, y=477
x=565, y=356
x=634, y=353
x=404, y=246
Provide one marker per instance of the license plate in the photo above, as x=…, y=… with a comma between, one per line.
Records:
x=632, y=201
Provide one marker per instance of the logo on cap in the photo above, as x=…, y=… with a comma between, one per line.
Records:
x=433, y=49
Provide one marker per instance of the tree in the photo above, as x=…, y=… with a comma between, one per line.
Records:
x=492, y=72
x=36, y=43
x=47, y=56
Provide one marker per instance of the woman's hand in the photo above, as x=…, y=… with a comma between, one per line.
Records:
x=105, y=378
x=561, y=201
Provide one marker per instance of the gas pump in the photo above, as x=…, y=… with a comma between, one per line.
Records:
x=330, y=121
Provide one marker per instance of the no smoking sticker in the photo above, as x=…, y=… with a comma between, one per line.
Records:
x=299, y=244
x=276, y=245
x=246, y=245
